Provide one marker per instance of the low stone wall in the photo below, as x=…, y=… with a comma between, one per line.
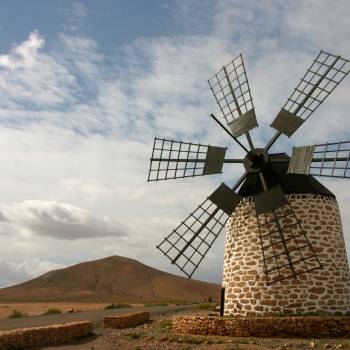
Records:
x=126, y=320
x=264, y=327
x=40, y=336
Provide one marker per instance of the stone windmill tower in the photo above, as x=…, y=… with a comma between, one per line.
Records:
x=285, y=250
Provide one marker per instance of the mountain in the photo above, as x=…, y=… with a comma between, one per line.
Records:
x=110, y=279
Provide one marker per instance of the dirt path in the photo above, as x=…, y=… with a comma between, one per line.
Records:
x=94, y=316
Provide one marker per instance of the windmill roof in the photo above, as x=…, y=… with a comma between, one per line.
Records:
x=276, y=173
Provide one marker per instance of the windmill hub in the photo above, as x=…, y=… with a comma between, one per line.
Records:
x=255, y=160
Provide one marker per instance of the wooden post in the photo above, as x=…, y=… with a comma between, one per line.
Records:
x=222, y=301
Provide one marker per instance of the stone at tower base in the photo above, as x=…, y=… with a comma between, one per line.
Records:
x=264, y=327
x=326, y=290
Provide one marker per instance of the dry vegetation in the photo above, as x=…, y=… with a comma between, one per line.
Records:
x=31, y=309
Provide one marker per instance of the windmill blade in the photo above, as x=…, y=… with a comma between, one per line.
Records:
x=324, y=75
x=286, y=249
x=231, y=91
x=176, y=159
x=328, y=159
x=188, y=244
x=269, y=200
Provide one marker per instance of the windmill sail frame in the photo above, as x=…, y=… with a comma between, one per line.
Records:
x=286, y=249
x=177, y=159
x=189, y=242
x=230, y=88
x=331, y=159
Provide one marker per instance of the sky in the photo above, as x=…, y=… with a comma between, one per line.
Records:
x=86, y=85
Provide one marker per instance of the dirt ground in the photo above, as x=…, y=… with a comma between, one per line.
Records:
x=157, y=334
x=32, y=309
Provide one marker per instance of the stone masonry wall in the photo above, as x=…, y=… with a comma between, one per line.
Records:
x=126, y=320
x=322, y=290
x=41, y=336
x=264, y=327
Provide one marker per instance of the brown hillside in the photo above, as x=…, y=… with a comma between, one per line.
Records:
x=114, y=278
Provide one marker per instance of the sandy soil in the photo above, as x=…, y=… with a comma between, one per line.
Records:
x=32, y=309
x=157, y=334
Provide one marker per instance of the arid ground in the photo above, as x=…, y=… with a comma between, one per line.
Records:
x=157, y=334
x=33, y=309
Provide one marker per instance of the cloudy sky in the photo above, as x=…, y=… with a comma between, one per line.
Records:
x=84, y=88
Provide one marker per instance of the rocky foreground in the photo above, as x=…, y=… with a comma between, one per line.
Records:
x=157, y=334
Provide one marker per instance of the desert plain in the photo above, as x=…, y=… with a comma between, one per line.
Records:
x=33, y=309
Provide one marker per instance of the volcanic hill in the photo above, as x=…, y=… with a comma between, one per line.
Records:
x=110, y=279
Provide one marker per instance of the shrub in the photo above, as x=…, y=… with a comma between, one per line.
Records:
x=135, y=335
x=16, y=314
x=117, y=306
x=165, y=324
x=234, y=347
x=179, y=303
x=52, y=311
x=207, y=306
x=155, y=304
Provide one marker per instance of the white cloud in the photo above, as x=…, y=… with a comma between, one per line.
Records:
x=14, y=271
x=82, y=56
x=320, y=25
x=31, y=79
x=59, y=220
x=24, y=54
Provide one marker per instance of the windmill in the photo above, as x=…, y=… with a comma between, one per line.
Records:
x=272, y=208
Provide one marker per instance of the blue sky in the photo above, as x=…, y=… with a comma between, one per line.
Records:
x=110, y=23
x=86, y=85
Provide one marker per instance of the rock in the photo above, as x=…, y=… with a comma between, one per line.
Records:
x=126, y=320
x=55, y=334
x=312, y=344
x=302, y=327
